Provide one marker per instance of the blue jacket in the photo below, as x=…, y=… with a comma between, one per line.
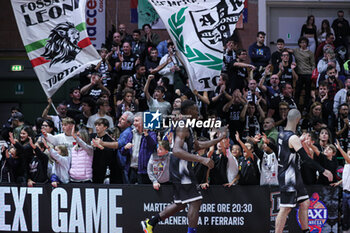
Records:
x=148, y=146
x=121, y=143
x=260, y=56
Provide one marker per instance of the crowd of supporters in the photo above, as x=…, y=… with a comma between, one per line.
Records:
x=97, y=135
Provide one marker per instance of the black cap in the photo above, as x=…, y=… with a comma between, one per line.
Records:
x=17, y=116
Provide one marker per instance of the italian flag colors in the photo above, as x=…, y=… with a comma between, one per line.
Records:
x=37, y=21
x=41, y=44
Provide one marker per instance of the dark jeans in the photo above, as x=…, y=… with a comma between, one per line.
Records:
x=137, y=178
x=304, y=79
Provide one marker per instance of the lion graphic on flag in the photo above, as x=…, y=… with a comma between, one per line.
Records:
x=62, y=45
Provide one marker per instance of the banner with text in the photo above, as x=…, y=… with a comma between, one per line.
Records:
x=55, y=38
x=120, y=208
x=96, y=22
x=198, y=29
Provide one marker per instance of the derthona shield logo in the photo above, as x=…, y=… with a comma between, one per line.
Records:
x=62, y=46
x=216, y=24
x=318, y=214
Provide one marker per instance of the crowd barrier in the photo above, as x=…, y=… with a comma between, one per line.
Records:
x=120, y=208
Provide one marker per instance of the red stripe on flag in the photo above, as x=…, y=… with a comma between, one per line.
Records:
x=84, y=42
x=38, y=61
x=133, y=3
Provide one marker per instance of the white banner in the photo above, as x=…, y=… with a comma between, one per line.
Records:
x=55, y=38
x=96, y=22
x=198, y=28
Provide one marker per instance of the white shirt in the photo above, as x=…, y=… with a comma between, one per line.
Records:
x=232, y=167
x=166, y=72
x=163, y=107
x=136, y=141
x=57, y=122
x=269, y=169
x=62, y=139
x=91, y=121
x=346, y=177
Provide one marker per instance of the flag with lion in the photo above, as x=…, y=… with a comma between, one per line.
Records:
x=198, y=29
x=55, y=39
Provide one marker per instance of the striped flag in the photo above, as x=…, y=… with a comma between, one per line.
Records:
x=55, y=38
x=133, y=11
x=198, y=29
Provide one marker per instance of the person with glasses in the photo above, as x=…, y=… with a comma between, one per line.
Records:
x=286, y=71
x=238, y=71
x=276, y=56
x=49, y=126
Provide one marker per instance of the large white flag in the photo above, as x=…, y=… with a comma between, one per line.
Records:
x=55, y=38
x=198, y=28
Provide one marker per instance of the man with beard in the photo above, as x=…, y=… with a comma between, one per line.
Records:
x=342, y=126
x=327, y=104
x=126, y=61
x=331, y=76
x=272, y=91
x=124, y=36
x=116, y=45
x=259, y=53
x=285, y=96
x=137, y=46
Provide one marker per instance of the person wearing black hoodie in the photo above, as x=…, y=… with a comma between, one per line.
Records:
x=37, y=170
x=8, y=163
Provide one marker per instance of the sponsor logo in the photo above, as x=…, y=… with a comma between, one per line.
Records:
x=318, y=214
x=151, y=120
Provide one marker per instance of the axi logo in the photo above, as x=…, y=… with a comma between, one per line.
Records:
x=151, y=120
x=318, y=214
